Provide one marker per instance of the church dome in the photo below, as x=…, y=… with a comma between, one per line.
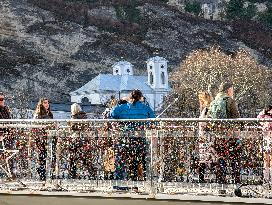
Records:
x=122, y=63
x=157, y=59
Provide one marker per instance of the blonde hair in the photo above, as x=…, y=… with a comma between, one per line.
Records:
x=204, y=98
x=75, y=108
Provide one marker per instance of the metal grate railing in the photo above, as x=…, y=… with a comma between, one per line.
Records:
x=196, y=156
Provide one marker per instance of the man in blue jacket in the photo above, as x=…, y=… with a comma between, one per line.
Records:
x=134, y=109
x=131, y=149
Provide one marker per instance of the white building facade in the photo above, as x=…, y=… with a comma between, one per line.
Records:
x=210, y=9
x=122, y=81
x=213, y=9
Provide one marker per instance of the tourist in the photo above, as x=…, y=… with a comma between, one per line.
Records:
x=43, y=111
x=267, y=141
x=228, y=146
x=131, y=148
x=205, y=140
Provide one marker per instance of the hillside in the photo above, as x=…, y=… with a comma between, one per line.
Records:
x=53, y=47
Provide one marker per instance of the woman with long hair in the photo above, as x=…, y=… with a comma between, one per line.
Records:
x=43, y=111
x=205, y=142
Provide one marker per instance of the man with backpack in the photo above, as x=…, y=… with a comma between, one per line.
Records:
x=227, y=146
x=224, y=106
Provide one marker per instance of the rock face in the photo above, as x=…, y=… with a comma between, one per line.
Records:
x=44, y=55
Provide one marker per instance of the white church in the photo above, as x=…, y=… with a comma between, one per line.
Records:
x=122, y=81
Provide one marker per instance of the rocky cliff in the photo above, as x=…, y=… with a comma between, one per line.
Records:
x=45, y=51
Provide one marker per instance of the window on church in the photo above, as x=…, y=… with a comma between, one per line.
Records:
x=151, y=78
x=128, y=71
x=162, y=66
x=85, y=100
x=150, y=67
x=161, y=98
x=116, y=71
x=163, y=78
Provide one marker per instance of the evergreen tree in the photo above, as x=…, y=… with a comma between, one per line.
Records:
x=249, y=12
x=193, y=7
x=235, y=9
x=128, y=12
x=266, y=17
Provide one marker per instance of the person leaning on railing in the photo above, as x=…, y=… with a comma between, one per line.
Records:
x=43, y=111
x=131, y=150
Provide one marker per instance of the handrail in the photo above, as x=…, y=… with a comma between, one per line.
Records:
x=139, y=120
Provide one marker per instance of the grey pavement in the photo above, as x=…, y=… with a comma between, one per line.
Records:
x=46, y=200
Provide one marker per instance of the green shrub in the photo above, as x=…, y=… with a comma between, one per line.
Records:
x=266, y=17
x=193, y=7
x=127, y=12
x=234, y=9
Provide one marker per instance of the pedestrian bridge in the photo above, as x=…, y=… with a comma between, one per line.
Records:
x=185, y=159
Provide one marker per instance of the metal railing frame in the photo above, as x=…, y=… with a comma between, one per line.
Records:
x=55, y=125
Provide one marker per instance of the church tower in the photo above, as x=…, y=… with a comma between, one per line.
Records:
x=157, y=80
x=122, y=68
x=157, y=73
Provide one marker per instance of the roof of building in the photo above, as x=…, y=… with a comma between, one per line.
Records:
x=122, y=63
x=109, y=82
x=157, y=59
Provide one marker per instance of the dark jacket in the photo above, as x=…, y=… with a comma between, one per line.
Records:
x=4, y=113
x=232, y=109
x=46, y=116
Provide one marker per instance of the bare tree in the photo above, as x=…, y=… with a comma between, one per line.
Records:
x=19, y=104
x=205, y=68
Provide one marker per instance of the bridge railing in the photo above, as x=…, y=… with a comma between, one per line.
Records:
x=151, y=156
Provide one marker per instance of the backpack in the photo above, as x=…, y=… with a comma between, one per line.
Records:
x=218, y=108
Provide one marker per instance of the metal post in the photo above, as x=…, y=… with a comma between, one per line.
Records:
x=49, y=158
x=152, y=191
